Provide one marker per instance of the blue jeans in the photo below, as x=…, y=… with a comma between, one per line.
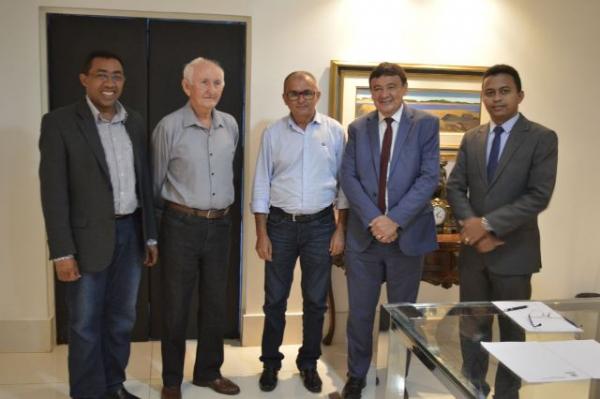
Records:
x=101, y=316
x=290, y=240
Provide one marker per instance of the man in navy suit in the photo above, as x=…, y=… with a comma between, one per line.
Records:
x=389, y=173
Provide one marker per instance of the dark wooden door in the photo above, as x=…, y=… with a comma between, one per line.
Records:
x=153, y=52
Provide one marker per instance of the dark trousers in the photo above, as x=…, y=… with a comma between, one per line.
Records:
x=365, y=272
x=290, y=240
x=194, y=251
x=478, y=284
x=101, y=316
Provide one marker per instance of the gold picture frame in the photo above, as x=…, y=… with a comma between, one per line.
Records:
x=453, y=93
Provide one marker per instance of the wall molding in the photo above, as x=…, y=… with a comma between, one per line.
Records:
x=27, y=335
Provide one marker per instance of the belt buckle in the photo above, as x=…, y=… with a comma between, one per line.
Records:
x=293, y=217
x=208, y=214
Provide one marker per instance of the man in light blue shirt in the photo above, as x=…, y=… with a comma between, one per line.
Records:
x=295, y=190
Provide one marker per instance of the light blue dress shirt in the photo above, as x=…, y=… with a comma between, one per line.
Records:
x=507, y=126
x=297, y=170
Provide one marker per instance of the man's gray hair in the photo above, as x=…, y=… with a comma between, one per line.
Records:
x=188, y=69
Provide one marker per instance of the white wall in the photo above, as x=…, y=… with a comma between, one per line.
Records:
x=550, y=42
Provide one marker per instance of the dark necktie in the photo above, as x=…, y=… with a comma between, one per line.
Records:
x=494, y=153
x=386, y=146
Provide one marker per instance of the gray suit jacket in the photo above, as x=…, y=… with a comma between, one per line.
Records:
x=76, y=191
x=519, y=191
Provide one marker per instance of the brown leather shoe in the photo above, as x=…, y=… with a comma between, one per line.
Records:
x=170, y=393
x=220, y=385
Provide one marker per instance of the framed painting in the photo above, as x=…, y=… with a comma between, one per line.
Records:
x=451, y=93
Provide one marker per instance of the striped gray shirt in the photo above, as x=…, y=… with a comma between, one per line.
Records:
x=119, y=157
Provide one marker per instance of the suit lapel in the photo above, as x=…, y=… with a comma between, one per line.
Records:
x=406, y=124
x=89, y=130
x=373, y=133
x=516, y=137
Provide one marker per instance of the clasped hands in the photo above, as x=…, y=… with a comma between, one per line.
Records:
x=474, y=234
x=384, y=229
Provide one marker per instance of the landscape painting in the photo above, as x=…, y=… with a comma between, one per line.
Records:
x=457, y=110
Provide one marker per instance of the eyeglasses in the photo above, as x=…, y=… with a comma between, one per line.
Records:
x=535, y=318
x=295, y=95
x=104, y=77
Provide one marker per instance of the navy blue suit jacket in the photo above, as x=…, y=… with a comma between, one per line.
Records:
x=413, y=177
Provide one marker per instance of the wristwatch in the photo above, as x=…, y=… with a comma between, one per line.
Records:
x=486, y=225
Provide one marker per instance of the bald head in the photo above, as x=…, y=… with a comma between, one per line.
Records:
x=299, y=75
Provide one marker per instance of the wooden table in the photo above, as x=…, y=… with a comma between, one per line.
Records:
x=441, y=266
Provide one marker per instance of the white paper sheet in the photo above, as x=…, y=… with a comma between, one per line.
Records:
x=536, y=317
x=585, y=354
x=538, y=362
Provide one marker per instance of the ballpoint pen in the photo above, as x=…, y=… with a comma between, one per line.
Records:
x=571, y=322
x=516, y=308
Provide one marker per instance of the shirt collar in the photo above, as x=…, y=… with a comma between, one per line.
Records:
x=508, y=125
x=120, y=115
x=190, y=118
x=318, y=118
x=395, y=117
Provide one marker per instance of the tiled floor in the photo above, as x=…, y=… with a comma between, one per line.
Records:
x=44, y=375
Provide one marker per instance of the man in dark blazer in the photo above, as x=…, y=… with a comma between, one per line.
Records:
x=97, y=202
x=503, y=178
x=389, y=173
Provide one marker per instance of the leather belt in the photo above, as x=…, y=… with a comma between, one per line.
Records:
x=301, y=218
x=206, y=214
x=126, y=215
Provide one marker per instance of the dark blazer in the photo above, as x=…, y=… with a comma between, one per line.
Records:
x=76, y=191
x=519, y=191
x=413, y=177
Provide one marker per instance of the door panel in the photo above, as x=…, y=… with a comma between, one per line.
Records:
x=153, y=52
x=172, y=44
x=70, y=39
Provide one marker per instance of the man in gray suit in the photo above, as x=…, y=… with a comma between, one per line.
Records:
x=503, y=178
x=97, y=202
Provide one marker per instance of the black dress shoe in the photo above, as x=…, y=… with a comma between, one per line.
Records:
x=268, y=379
x=353, y=388
x=121, y=393
x=311, y=380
